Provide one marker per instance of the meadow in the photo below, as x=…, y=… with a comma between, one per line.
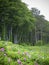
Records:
x=16, y=54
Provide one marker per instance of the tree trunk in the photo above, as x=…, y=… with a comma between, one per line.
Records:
x=15, y=38
x=10, y=34
x=3, y=32
x=41, y=36
x=35, y=35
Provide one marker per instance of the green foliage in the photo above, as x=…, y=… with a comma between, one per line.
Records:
x=14, y=14
x=44, y=61
x=26, y=55
x=1, y=57
x=40, y=43
x=17, y=20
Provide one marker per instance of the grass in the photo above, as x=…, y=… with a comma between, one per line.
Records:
x=15, y=54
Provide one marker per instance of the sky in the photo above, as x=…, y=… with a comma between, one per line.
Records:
x=42, y=5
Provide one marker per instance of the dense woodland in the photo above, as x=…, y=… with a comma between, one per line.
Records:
x=19, y=24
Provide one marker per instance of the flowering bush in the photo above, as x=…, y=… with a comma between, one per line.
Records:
x=2, y=49
x=11, y=54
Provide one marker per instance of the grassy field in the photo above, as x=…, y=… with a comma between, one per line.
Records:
x=15, y=54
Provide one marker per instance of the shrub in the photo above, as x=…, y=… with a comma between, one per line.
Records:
x=43, y=61
x=1, y=57
x=39, y=43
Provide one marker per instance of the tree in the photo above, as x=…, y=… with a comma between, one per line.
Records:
x=40, y=25
x=14, y=15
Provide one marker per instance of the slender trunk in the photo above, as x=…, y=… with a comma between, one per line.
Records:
x=35, y=35
x=10, y=34
x=25, y=37
x=15, y=38
x=31, y=37
x=41, y=36
x=3, y=32
x=0, y=35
